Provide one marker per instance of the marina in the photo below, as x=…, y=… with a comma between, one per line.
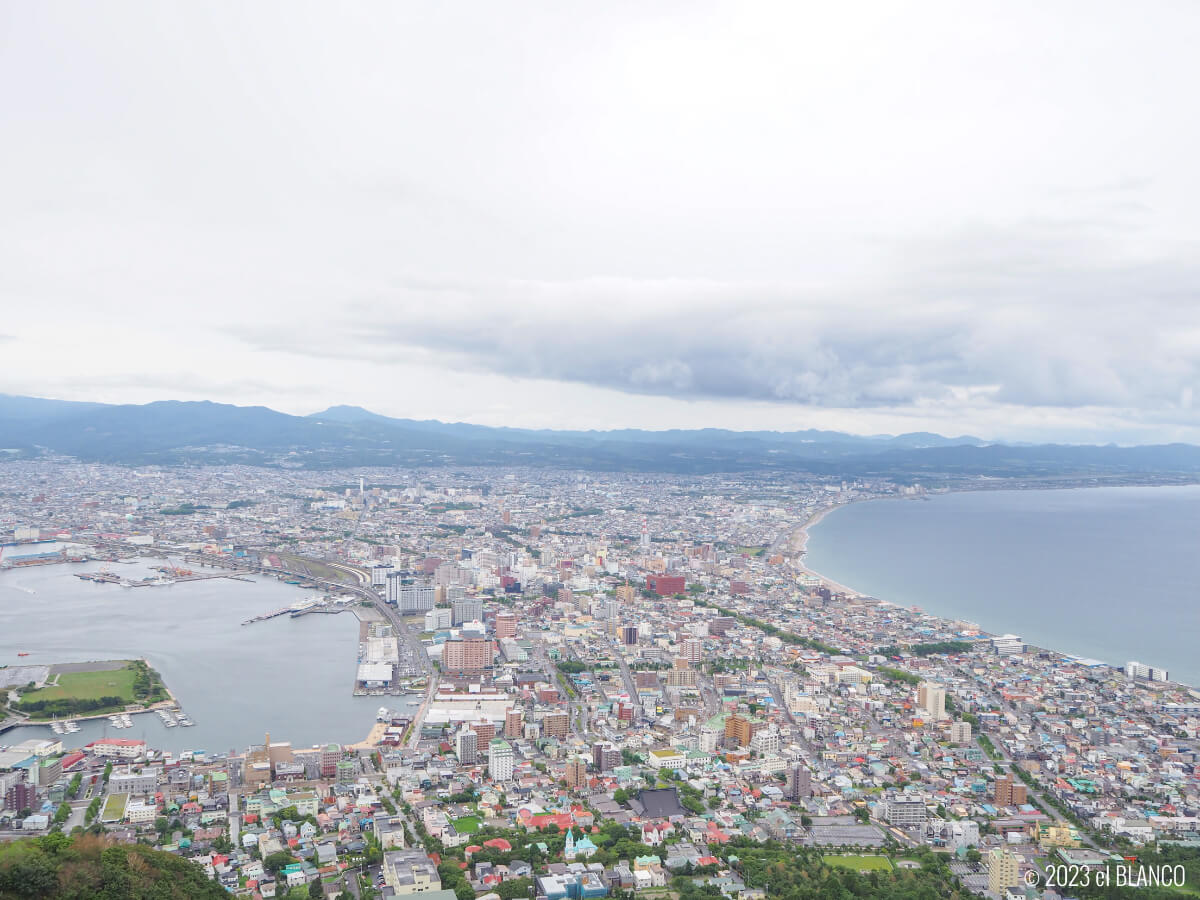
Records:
x=228, y=678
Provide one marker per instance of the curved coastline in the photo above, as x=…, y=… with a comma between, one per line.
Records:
x=798, y=545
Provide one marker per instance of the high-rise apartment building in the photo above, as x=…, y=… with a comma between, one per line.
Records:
x=741, y=730
x=960, y=733
x=1009, y=792
x=466, y=747
x=605, y=757
x=576, y=774
x=466, y=609
x=1004, y=871
x=799, y=781
x=932, y=698
x=556, y=724
x=468, y=656
x=506, y=625
x=500, y=760
x=514, y=725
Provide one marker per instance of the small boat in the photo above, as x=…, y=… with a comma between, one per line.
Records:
x=23, y=653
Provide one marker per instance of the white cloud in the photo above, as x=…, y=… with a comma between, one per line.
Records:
x=941, y=217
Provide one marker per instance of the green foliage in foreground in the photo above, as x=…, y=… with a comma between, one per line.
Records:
x=89, y=867
x=801, y=873
x=1151, y=858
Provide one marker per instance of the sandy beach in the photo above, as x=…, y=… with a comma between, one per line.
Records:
x=798, y=543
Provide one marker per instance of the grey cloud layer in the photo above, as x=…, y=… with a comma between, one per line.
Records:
x=995, y=318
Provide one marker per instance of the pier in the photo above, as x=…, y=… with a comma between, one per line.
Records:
x=104, y=577
x=271, y=615
x=297, y=611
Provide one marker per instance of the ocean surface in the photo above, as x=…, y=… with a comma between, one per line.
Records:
x=1107, y=573
x=291, y=677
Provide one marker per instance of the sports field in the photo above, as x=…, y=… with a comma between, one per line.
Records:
x=91, y=685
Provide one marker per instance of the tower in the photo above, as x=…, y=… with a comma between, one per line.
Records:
x=645, y=542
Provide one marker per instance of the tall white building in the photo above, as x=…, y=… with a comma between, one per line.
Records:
x=904, y=813
x=500, y=760
x=415, y=598
x=1135, y=669
x=1008, y=645
x=960, y=733
x=765, y=741
x=932, y=698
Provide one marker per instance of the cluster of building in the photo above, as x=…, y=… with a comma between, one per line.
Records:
x=647, y=652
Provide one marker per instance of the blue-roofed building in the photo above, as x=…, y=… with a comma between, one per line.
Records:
x=571, y=886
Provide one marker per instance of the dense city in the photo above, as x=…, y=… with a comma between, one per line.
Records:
x=589, y=685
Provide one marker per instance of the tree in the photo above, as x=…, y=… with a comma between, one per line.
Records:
x=276, y=861
x=315, y=891
x=514, y=888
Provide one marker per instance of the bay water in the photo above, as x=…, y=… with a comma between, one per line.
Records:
x=1107, y=573
x=290, y=677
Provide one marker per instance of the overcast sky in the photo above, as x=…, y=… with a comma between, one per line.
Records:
x=961, y=217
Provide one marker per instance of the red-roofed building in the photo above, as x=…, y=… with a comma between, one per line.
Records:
x=714, y=835
x=534, y=823
x=71, y=760
x=122, y=748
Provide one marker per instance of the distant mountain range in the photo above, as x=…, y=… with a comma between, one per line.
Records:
x=173, y=432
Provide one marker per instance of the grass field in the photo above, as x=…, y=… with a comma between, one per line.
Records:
x=89, y=689
x=466, y=825
x=860, y=863
x=91, y=686
x=114, y=808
